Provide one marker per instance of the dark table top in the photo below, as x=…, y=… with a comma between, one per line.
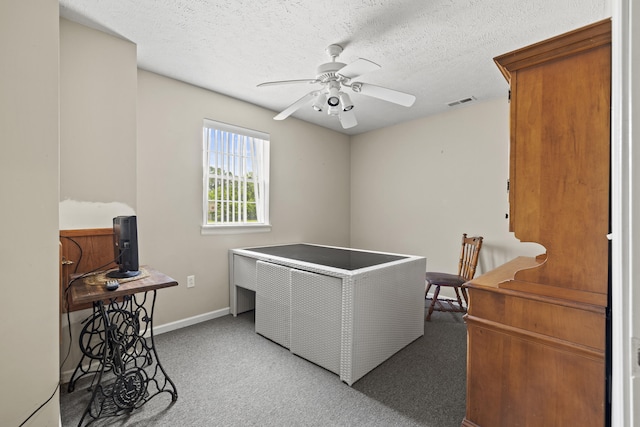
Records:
x=88, y=289
x=346, y=259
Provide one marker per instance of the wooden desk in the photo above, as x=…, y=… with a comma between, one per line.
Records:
x=124, y=363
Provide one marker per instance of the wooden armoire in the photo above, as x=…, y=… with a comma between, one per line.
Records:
x=537, y=326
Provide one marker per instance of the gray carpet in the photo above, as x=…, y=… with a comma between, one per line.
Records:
x=227, y=375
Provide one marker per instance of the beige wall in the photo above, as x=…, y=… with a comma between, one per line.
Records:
x=308, y=185
x=159, y=128
x=29, y=214
x=98, y=78
x=98, y=81
x=412, y=188
x=416, y=187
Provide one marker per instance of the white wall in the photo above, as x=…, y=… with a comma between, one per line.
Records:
x=29, y=214
x=308, y=185
x=416, y=187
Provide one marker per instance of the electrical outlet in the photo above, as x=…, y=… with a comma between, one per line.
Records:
x=191, y=281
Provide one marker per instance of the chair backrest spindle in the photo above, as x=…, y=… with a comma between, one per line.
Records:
x=469, y=256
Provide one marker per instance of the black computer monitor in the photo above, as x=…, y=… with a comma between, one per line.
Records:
x=125, y=244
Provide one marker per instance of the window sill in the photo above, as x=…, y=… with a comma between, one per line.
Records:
x=206, y=230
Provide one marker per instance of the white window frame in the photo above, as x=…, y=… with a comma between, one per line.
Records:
x=260, y=163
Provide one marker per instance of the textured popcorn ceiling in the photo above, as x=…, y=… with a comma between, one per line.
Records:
x=439, y=50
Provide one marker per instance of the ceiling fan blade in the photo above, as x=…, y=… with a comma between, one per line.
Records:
x=287, y=82
x=384, y=93
x=347, y=119
x=293, y=107
x=357, y=68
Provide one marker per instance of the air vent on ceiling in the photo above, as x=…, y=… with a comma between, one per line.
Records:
x=461, y=101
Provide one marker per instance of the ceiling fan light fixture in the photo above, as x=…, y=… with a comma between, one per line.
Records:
x=334, y=110
x=333, y=101
x=347, y=105
x=318, y=104
x=334, y=97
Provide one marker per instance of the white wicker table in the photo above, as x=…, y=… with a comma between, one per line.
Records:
x=346, y=310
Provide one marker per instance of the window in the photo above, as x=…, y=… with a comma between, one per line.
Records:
x=236, y=179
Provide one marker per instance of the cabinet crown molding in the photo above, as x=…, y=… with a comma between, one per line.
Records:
x=589, y=37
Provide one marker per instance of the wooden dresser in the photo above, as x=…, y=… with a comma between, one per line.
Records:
x=537, y=326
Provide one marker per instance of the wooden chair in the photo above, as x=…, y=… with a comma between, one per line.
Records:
x=466, y=270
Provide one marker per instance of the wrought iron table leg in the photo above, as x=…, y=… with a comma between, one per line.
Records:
x=130, y=373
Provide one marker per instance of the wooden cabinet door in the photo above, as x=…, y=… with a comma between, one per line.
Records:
x=559, y=171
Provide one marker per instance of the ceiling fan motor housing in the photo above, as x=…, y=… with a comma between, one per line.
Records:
x=327, y=71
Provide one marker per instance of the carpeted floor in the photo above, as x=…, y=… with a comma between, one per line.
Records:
x=227, y=375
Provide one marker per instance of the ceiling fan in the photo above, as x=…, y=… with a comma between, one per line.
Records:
x=333, y=76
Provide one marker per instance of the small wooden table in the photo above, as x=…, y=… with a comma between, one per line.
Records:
x=115, y=350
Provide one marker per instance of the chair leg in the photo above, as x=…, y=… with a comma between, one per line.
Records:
x=457, y=291
x=466, y=297
x=433, y=302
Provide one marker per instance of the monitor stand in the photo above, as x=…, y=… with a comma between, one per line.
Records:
x=117, y=274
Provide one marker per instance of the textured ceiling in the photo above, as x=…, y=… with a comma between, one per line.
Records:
x=438, y=50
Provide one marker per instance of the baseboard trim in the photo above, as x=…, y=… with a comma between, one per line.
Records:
x=65, y=376
x=189, y=321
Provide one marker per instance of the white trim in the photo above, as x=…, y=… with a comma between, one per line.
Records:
x=625, y=385
x=189, y=321
x=226, y=127
x=206, y=230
